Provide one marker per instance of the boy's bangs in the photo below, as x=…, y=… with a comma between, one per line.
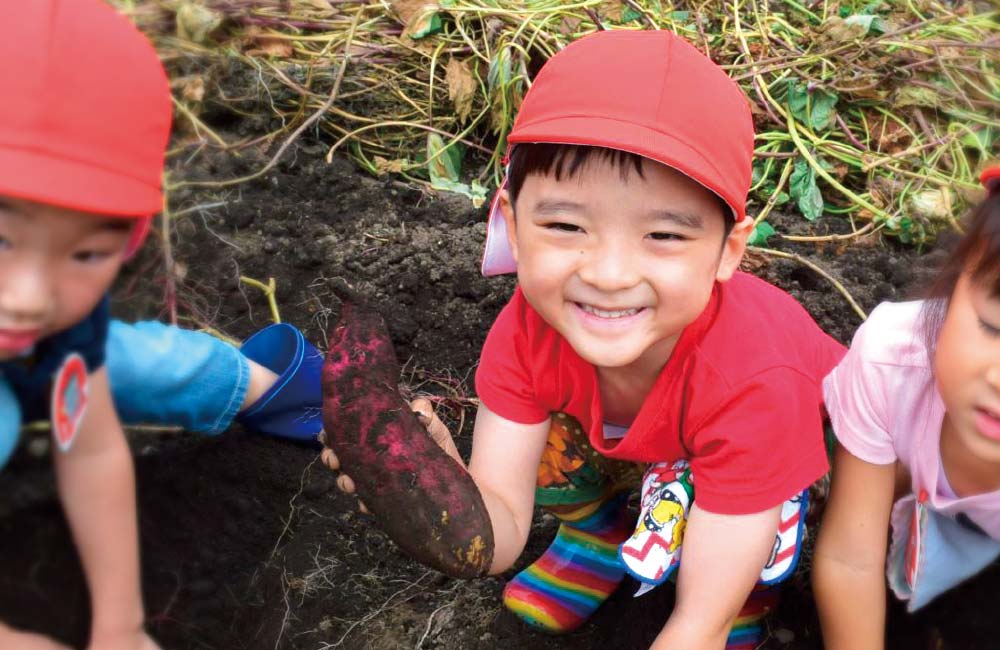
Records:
x=563, y=161
x=566, y=160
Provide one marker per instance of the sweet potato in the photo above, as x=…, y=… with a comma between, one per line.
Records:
x=426, y=502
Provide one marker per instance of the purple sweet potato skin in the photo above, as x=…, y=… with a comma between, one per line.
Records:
x=424, y=500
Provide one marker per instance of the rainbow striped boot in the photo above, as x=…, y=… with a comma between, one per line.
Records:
x=578, y=572
x=747, y=632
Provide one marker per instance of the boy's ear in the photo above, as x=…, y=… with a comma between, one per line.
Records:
x=507, y=210
x=733, y=248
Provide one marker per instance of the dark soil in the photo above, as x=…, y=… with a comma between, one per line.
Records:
x=246, y=541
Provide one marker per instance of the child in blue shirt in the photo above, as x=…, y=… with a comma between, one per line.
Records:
x=83, y=132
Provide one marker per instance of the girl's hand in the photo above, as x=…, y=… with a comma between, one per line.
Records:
x=136, y=640
x=435, y=427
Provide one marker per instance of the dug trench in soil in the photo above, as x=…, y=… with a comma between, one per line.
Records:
x=246, y=541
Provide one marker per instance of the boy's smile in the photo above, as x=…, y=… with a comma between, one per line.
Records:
x=55, y=266
x=618, y=262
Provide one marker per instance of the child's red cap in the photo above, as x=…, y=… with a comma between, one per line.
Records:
x=990, y=179
x=86, y=111
x=647, y=92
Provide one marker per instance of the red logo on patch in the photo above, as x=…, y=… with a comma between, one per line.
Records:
x=69, y=400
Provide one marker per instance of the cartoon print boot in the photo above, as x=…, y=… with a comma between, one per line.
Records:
x=578, y=572
x=292, y=407
x=653, y=551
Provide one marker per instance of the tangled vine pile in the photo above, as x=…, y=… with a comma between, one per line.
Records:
x=878, y=110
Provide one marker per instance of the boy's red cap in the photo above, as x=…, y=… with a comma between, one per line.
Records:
x=990, y=179
x=646, y=92
x=86, y=110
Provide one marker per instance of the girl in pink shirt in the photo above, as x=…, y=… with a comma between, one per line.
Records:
x=915, y=406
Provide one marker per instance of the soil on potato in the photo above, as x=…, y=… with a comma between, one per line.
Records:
x=246, y=541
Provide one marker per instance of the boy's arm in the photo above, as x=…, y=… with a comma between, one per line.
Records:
x=97, y=487
x=504, y=465
x=722, y=559
x=849, y=563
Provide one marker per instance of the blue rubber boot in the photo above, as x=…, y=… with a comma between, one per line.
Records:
x=293, y=407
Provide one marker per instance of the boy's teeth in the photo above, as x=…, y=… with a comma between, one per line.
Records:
x=618, y=313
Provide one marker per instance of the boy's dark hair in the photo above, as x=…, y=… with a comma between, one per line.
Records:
x=565, y=160
x=977, y=253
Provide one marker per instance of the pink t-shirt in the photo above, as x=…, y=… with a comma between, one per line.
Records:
x=884, y=406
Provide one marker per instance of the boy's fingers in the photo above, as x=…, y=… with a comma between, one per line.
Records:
x=330, y=459
x=345, y=483
x=424, y=410
x=322, y=438
x=425, y=413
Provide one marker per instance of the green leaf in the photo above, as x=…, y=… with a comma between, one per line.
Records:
x=821, y=111
x=474, y=191
x=797, y=98
x=500, y=69
x=805, y=191
x=630, y=14
x=445, y=168
x=980, y=139
x=761, y=233
x=444, y=161
x=423, y=25
x=680, y=16
x=917, y=96
x=862, y=23
x=815, y=109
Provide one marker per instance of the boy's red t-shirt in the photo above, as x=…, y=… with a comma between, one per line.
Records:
x=740, y=396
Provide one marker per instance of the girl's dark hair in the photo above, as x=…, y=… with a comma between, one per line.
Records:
x=565, y=160
x=978, y=254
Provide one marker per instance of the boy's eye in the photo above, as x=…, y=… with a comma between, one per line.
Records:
x=989, y=329
x=563, y=227
x=666, y=236
x=88, y=257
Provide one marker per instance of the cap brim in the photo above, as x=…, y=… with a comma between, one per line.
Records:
x=77, y=185
x=641, y=140
x=498, y=258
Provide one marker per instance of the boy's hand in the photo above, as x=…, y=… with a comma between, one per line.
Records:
x=135, y=640
x=435, y=427
x=722, y=559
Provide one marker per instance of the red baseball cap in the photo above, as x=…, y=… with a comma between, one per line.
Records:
x=86, y=111
x=646, y=92
x=990, y=178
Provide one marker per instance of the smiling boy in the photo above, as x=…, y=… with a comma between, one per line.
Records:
x=624, y=218
x=633, y=338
